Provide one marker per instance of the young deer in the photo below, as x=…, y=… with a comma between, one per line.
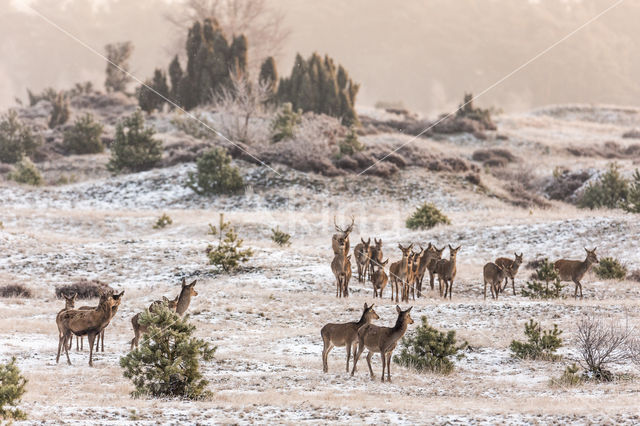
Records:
x=340, y=240
x=379, y=278
x=345, y=334
x=493, y=275
x=511, y=267
x=89, y=322
x=382, y=340
x=361, y=253
x=446, y=271
x=398, y=271
x=574, y=270
x=139, y=329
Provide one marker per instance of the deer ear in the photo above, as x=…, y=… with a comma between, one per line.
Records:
x=164, y=299
x=365, y=305
x=398, y=309
x=184, y=281
x=193, y=283
x=74, y=296
x=408, y=310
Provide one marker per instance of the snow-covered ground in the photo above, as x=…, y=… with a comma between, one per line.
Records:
x=266, y=321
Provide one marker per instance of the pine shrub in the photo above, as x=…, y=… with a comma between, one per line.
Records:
x=84, y=136
x=163, y=221
x=150, y=100
x=26, y=172
x=285, y=122
x=610, y=268
x=12, y=387
x=279, y=237
x=15, y=290
x=228, y=254
x=427, y=216
x=610, y=191
x=633, y=196
x=134, y=147
x=429, y=349
x=269, y=77
x=60, y=113
x=569, y=377
x=350, y=144
x=541, y=344
x=215, y=174
x=16, y=139
x=167, y=362
x=118, y=54
x=538, y=287
x=48, y=94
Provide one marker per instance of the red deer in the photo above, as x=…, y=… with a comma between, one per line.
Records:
x=446, y=271
x=511, y=267
x=398, y=271
x=361, y=254
x=574, y=270
x=493, y=275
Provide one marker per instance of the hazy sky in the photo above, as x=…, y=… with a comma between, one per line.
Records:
x=425, y=53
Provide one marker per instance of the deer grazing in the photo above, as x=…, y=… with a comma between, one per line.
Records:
x=398, y=271
x=345, y=334
x=379, y=278
x=446, y=271
x=493, y=275
x=179, y=305
x=361, y=253
x=574, y=270
x=87, y=322
x=382, y=340
x=511, y=267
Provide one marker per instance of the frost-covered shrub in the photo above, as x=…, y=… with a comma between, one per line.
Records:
x=215, y=174
x=279, y=237
x=427, y=216
x=610, y=191
x=610, y=268
x=167, y=362
x=538, y=286
x=569, y=377
x=84, y=136
x=601, y=343
x=285, y=122
x=16, y=139
x=428, y=349
x=350, y=144
x=12, y=387
x=26, y=172
x=227, y=254
x=84, y=288
x=163, y=221
x=540, y=344
x=60, y=112
x=15, y=290
x=633, y=197
x=134, y=147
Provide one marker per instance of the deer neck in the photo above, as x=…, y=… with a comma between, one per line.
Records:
x=184, y=300
x=398, y=330
x=584, y=266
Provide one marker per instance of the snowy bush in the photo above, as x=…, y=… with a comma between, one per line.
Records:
x=610, y=268
x=279, y=237
x=84, y=136
x=60, y=112
x=609, y=191
x=215, y=174
x=540, y=344
x=134, y=147
x=26, y=172
x=15, y=290
x=12, y=387
x=426, y=216
x=228, y=253
x=16, y=139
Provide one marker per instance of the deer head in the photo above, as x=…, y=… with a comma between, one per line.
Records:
x=70, y=301
x=189, y=287
x=453, y=252
x=404, y=317
x=518, y=260
x=369, y=314
x=591, y=255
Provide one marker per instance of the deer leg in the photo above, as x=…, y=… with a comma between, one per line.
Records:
x=513, y=286
x=91, y=337
x=357, y=355
x=432, y=279
x=348, y=347
x=575, y=293
x=485, y=290
x=61, y=341
x=325, y=355
x=369, y=355
x=450, y=287
x=389, y=367
x=102, y=340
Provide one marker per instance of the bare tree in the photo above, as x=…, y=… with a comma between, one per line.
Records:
x=238, y=105
x=119, y=54
x=261, y=24
x=602, y=343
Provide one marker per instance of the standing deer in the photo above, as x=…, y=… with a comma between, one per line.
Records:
x=88, y=322
x=446, y=271
x=178, y=305
x=398, y=271
x=423, y=261
x=340, y=240
x=69, y=303
x=511, y=267
x=375, y=255
x=345, y=334
x=100, y=336
x=493, y=275
x=433, y=259
x=574, y=270
x=379, y=278
x=382, y=340
x=338, y=267
x=361, y=254
x=412, y=279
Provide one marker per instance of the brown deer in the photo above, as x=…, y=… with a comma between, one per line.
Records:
x=446, y=271
x=345, y=334
x=398, y=271
x=340, y=240
x=361, y=254
x=100, y=336
x=412, y=272
x=574, y=270
x=423, y=261
x=339, y=268
x=139, y=329
x=87, y=322
x=375, y=255
x=431, y=258
x=511, y=267
x=382, y=340
x=187, y=291
x=69, y=303
x=493, y=275
x=379, y=278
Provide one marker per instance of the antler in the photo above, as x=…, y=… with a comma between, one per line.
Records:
x=348, y=229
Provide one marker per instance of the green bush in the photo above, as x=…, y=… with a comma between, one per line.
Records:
x=228, y=254
x=167, y=362
x=118, y=54
x=60, y=113
x=610, y=268
x=633, y=196
x=215, y=174
x=26, y=172
x=148, y=100
x=283, y=125
x=427, y=216
x=134, y=147
x=467, y=110
x=350, y=144
x=429, y=349
x=280, y=238
x=16, y=139
x=48, y=94
x=84, y=136
x=610, y=191
x=163, y=221
x=541, y=344
x=12, y=387
x=570, y=377
x=538, y=288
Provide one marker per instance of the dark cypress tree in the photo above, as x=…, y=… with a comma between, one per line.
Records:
x=238, y=52
x=268, y=73
x=175, y=75
x=150, y=100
